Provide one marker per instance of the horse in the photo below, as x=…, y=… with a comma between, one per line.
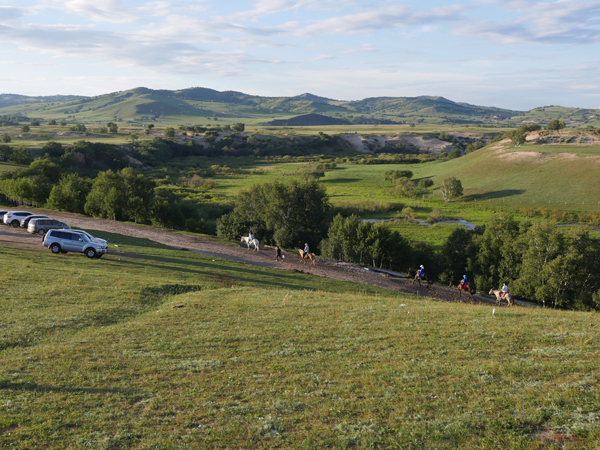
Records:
x=456, y=283
x=311, y=256
x=426, y=278
x=507, y=297
x=248, y=242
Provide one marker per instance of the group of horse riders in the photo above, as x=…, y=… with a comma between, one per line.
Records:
x=278, y=254
x=464, y=285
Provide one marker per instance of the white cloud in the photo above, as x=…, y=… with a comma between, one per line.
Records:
x=112, y=11
x=376, y=19
x=558, y=22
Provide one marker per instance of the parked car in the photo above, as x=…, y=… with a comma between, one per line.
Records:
x=25, y=220
x=63, y=241
x=42, y=226
x=14, y=217
x=92, y=238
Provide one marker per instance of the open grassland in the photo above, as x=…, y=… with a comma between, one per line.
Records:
x=7, y=167
x=152, y=347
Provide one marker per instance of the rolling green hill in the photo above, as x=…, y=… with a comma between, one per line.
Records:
x=201, y=105
x=152, y=347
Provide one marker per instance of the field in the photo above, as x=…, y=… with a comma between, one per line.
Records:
x=152, y=347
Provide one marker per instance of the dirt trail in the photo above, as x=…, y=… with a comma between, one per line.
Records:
x=18, y=237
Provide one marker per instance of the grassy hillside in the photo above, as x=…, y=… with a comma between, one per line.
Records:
x=152, y=347
x=198, y=105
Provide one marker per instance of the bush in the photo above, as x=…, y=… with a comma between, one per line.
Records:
x=454, y=154
x=425, y=183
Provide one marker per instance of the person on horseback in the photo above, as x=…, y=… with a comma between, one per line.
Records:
x=251, y=235
x=306, y=251
x=421, y=271
x=503, y=291
x=463, y=283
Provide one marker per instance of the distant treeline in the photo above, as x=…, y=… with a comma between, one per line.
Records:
x=13, y=119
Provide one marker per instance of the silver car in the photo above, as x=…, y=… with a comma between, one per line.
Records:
x=92, y=238
x=42, y=226
x=63, y=241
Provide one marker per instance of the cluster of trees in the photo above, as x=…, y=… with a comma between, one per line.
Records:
x=120, y=195
x=15, y=155
x=517, y=136
x=404, y=186
x=288, y=215
x=538, y=261
x=349, y=239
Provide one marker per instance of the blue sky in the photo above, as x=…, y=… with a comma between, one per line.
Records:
x=516, y=54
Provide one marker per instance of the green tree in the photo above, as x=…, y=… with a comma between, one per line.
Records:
x=69, y=194
x=63, y=123
x=453, y=154
x=451, y=188
x=35, y=123
x=238, y=127
x=6, y=138
x=555, y=125
x=112, y=127
x=20, y=155
x=287, y=214
x=25, y=128
x=545, y=243
x=52, y=122
x=169, y=132
x=425, y=183
x=499, y=252
x=517, y=137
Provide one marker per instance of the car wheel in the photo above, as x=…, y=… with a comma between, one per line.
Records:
x=90, y=253
x=41, y=232
x=55, y=248
x=15, y=224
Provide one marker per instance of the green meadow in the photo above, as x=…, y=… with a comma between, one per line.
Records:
x=153, y=347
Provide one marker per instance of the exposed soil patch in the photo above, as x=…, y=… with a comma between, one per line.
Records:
x=18, y=237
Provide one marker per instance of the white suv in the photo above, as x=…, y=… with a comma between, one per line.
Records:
x=63, y=241
x=14, y=217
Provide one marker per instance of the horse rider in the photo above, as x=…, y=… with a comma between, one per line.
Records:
x=306, y=251
x=463, y=283
x=421, y=271
x=503, y=291
x=251, y=235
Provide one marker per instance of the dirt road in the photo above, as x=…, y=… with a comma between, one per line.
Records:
x=18, y=237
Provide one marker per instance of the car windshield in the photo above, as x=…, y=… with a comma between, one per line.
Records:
x=85, y=238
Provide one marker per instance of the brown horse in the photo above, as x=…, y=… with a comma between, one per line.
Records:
x=456, y=283
x=311, y=256
x=507, y=297
x=425, y=278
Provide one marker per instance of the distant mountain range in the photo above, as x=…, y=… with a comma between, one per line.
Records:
x=200, y=105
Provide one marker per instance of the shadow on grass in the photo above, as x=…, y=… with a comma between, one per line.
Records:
x=69, y=390
x=493, y=195
x=340, y=180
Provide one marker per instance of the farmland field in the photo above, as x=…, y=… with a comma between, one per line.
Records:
x=152, y=347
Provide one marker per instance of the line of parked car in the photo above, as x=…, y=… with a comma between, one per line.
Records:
x=57, y=236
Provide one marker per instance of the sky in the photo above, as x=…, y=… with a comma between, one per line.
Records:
x=516, y=54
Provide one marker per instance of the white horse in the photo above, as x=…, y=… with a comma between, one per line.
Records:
x=506, y=297
x=249, y=242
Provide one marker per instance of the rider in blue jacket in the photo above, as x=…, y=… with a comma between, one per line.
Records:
x=463, y=283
